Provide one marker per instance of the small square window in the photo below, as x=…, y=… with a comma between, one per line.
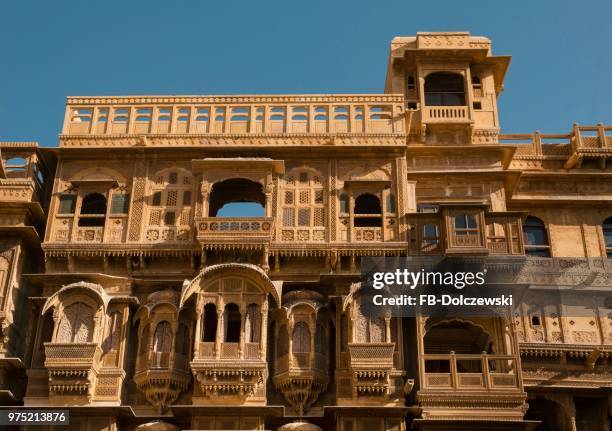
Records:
x=477, y=105
x=169, y=218
x=173, y=178
x=156, y=199
x=67, y=204
x=120, y=203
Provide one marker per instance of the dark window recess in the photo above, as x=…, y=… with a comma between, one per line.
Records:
x=93, y=211
x=412, y=106
x=410, y=83
x=444, y=89
x=231, y=315
x=210, y=323
x=186, y=198
x=169, y=218
x=156, y=199
x=477, y=105
x=93, y=203
x=369, y=204
x=607, y=231
x=172, y=178
x=67, y=204
x=536, y=237
x=535, y=321
x=120, y=203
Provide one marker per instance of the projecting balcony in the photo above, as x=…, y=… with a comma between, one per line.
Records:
x=468, y=372
x=465, y=231
x=71, y=367
x=219, y=231
x=371, y=365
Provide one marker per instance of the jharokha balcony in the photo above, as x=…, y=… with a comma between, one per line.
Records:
x=465, y=229
x=72, y=368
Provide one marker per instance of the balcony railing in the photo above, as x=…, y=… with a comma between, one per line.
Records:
x=71, y=354
x=277, y=114
x=470, y=372
x=582, y=142
x=371, y=355
x=220, y=230
x=446, y=114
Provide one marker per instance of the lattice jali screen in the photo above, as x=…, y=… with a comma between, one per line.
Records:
x=303, y=205
x=170, y=207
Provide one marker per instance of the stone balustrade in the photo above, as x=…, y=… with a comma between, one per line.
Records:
x=234, y=115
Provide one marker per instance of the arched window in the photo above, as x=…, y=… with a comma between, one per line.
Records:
x=93, y=210
x=163, y=337
x=77, y=324
x=368, y=329
x=303, y=203
x=444, y=89
x=536, y=237
x=231, y=323
x=252, y=325
x=607, y=231
x=162, y=344
x=209, y=334
x=300, y=339
x=367, y=211
x=459, y=337
x=237, y=197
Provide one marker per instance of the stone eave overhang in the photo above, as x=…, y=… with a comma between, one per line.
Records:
x=87, y=144
x=145, y=250
x=505, y=152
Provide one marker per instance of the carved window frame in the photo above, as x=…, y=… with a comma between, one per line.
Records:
x=303, y=204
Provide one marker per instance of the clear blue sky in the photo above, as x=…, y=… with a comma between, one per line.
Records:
x=561, y=71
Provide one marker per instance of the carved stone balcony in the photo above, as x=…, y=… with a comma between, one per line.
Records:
x=161, y=376
x=371, y=365
x=230, y=373
x=479, y=382
x=217, y=232
x=301, y=377
x=72, y=368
